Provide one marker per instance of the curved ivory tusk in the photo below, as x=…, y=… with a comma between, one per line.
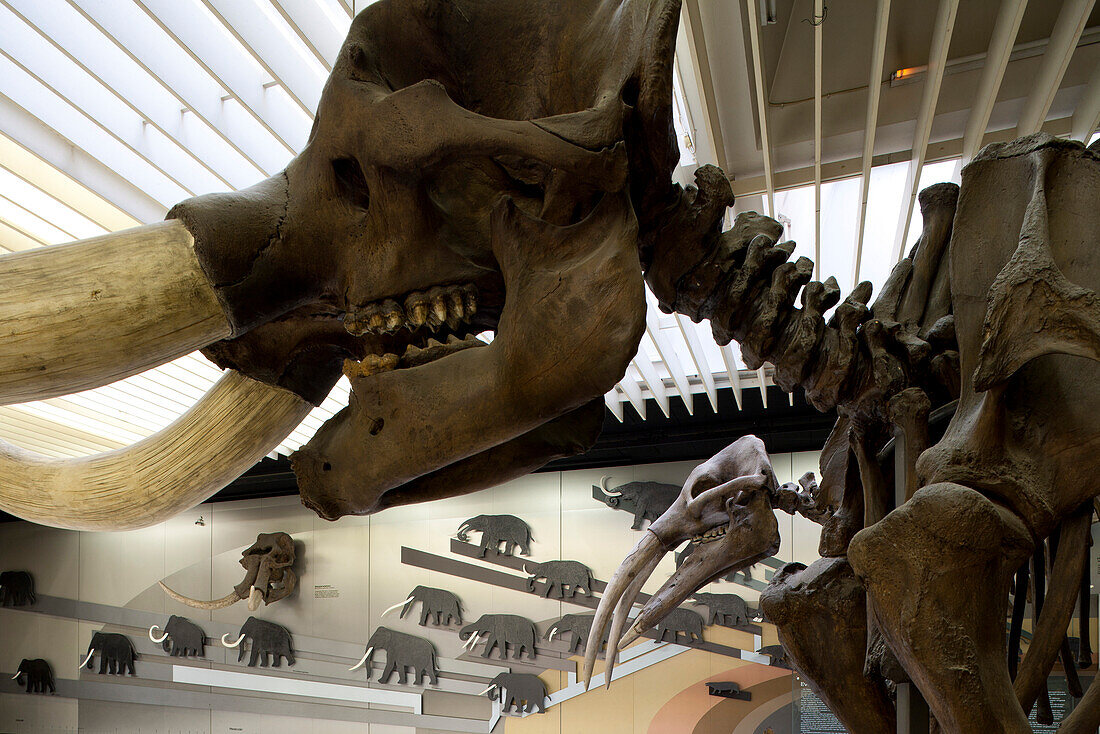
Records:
x=234, y=425
x=89, y=313
x=154, y=639
x=488, y=689
x=472, y=642
x=90, y=653
x=605, y=490
x=225, y=601
x=363, y=660
x=255, y=596
x=231, y=644
x=553, y=631
x=397, y=606
x=15, y=676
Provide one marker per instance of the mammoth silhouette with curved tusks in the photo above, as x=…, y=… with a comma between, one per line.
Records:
x=522, y=691
x=439, y=603
x=116, y=653
x=647, y=500
x=580, y=625
x=559, y=575
x=402, y=652
x=502, y=630
x=36, y=675
x=265, y=638
x=16, y=589
x=497, y=529
x=679, y=621
x=181, y=638
x=728, y=610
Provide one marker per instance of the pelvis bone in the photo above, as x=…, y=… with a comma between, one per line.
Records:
x=268, y=575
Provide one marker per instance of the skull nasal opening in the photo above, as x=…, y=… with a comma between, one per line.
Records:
x=350, y=182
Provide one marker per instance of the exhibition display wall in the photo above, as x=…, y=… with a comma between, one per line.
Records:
x=348, y=574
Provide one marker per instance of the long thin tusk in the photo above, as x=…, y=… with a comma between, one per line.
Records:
x=234, y=425
x=605, y=490
x=472, y=642
x=644, y=552
x=397, y=606
x=154, y=639
x=231, y=644
x=553, y=631
x=488, y=689
x=225, y=601
x=622, y=614
x=255, y=596
x=17, y=675
x=86, y=660
x=89, y=313
x=363, y=660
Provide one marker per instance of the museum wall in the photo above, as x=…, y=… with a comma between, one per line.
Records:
x=350, y=572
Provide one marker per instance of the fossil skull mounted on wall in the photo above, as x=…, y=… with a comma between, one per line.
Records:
x=498, y=166
x=268, y=575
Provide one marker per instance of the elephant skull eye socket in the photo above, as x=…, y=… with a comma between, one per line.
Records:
x=350, y=182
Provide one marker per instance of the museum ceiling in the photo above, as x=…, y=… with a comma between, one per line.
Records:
x=110, y=112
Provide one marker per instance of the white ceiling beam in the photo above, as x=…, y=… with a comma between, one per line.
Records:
x=762, y=383
x=321, y=27
x=761, y=103
x=732, y=371
x=1086, y=118
x=66, y=30
x=196, y=90
x=699, y=65
x=613, y=403
x=13, y=239
x=260, y=28
x=652, y=380
x=633, y=392
x=818, y=22
x=1063, y=42
x=667, y=351
x=1001, y=43
x=203, y=37
x=31, y=223
x=937, y=58
x=698, y=357
x=61, y=186
x=870, y=126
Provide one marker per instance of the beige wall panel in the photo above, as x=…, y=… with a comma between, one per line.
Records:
x=51, y=555
x=22, y=713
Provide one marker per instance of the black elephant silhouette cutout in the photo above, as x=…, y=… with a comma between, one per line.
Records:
x=16, y=589
x=495, y=530
x=728, y=610
x=439, y=604
x=116, y=653
x=181, y=638
x=580, y=626
x=560, y=575
x=403, y=651
x=681, y=621
x=265, y=639
x=501, y=630
x=646, y=500
x=777, y=654
x=36, y=675
x=522, y=691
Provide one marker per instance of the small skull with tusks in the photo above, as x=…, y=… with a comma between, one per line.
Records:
x=268, y=575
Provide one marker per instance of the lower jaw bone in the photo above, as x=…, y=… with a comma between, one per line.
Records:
x=477, y=399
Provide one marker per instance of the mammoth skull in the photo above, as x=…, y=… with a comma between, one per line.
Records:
x=500, y=166
x=268, y=575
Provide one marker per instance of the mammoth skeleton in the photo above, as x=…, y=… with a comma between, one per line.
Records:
x=455, y=183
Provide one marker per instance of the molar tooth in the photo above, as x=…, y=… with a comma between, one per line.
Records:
x=453, y=339
x=416, y=310
x=392, y=315
x=455, y=306
x=371, y=364
x=438, y=312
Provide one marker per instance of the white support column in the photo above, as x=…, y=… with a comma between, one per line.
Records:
x=1063, y=42
x=698, y=357
x=761, y=102
x=870, y=125
x=1086, y=118
x=818, y=21
x=937, y=58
